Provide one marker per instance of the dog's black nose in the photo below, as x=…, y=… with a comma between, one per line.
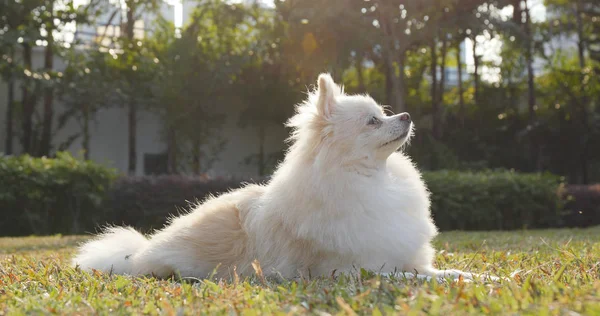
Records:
x=404, y=117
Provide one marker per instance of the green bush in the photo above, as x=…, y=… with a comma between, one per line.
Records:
x=494, y=200
x=48, y=196
x=487, y=200
x=66, y=195
x=582, y=208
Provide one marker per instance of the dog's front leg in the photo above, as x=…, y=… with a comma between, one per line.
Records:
x=441, y=276
x=422, y=264
x=457, y=274
x=453, y=274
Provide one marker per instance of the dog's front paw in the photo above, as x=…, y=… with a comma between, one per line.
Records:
x=466, y=276
x=491, y=278
x=455, y=274
x=406, y=276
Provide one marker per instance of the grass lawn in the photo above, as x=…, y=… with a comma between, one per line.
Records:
x=556, y=272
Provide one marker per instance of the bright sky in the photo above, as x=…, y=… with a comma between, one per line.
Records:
x=489, y=48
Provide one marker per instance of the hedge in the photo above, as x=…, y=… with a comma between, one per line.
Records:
x=495, y=200
x=48, y=196
x=489, y=200
x=147, y=202
x=582, y=207
x=68, y=196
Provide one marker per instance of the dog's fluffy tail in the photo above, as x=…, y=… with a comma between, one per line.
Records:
x=110, y=252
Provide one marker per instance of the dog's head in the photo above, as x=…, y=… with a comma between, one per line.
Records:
x=347, y=128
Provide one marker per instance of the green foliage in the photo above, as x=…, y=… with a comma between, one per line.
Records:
x=494, y=200
x=553, y=272
x=195, y=79
x=67, y=195
x=48, y=196
x=268, y=87
x=25, y=25
x=248, y=63
x=85, y=88
x=582, y=205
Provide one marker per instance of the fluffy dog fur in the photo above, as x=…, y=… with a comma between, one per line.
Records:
x=343, y=198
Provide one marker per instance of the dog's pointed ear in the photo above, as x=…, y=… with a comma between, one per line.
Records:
x=327, y=90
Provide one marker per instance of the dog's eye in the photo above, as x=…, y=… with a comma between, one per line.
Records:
x=373, y=121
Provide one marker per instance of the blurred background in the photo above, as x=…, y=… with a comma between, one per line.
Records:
x=182, y=89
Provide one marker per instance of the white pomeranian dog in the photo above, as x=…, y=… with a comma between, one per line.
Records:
x=342, y=199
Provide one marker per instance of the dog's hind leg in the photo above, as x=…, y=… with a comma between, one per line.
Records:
x=209, y=240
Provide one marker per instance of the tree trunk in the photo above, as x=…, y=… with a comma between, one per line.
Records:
x=418, y=79
x=86, y=131
x=132, y=102
x=442, y=81
x=389, y=94
x=516, y=4
x=584, y=99
x=130, y=20
x=196, y=157
x=46, y=138
x=261, y=150
x=402, y=81
x=396, y=99
x=475, y=71
x=28, y=104
x=362, y=88
x=172, y=150
x=531, y=87
x=435, y=109
x=8, y=148
x=396, y=96
x=530, y=71
x=442, y=87
x=580, y=38
x=132, y=120
x=461, y=100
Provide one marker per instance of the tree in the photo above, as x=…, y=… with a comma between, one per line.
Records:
x=20, y=27
x=195, y=80
x=8, y=71
x=323, y=35
x=85, y=88
x=268, y=86
x=579, y=19
x=54, y=19
x=459, y=69
x=27, y=24
x=134, y=64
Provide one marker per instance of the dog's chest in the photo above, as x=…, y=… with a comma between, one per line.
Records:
x=369, y=217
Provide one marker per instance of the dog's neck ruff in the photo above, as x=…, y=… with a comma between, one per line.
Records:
x=364, y=167
x=330, y=161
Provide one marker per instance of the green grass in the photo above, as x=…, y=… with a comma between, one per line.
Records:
x=556, y=272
